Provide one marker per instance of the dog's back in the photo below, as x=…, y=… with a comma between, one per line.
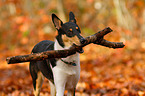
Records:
x=41, y=66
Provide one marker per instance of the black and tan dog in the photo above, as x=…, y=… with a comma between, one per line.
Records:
x=63, y=73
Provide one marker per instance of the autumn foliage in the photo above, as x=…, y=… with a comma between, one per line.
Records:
x=104, y=71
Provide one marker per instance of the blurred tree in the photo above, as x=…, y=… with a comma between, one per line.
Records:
x=61, y=10
x=124, y=18
x=143, y=26
x=26, y=22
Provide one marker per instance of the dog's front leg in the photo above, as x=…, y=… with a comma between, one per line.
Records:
x=60, y=91
x=60, y=79
x=71, y=92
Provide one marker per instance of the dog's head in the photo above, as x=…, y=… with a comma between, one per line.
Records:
x=69, y=32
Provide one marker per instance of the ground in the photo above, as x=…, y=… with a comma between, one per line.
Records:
x=118, y=72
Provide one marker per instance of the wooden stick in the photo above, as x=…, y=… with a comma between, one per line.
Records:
x=97, y=38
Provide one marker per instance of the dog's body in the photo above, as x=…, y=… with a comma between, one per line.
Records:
x=64, y=73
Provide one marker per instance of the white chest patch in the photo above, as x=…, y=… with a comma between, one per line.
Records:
x=69, y=69
x=65, y=74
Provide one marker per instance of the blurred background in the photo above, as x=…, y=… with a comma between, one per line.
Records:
x=104, y=71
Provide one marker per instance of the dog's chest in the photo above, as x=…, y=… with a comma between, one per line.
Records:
x=67, y=68
x=65, y=72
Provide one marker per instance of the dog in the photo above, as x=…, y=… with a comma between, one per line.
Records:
x=62, y=73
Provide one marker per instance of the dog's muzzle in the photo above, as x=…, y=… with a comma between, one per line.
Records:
x=82, y=40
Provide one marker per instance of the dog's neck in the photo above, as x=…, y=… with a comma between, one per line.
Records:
x=57, y=46
x=70, y=60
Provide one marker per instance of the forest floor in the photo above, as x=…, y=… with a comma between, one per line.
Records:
x=104, y=72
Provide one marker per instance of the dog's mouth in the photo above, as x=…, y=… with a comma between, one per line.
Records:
x=82, y=41
x=81, y=50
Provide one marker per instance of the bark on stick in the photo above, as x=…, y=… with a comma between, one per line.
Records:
x=97, y=38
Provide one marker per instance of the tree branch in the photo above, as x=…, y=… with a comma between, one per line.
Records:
x=97, y=38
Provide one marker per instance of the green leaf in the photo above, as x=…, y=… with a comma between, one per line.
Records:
x=26, y=33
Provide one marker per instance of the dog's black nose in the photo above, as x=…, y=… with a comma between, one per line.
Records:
x=83, y=40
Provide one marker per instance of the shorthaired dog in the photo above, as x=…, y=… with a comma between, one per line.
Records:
x=62, y=73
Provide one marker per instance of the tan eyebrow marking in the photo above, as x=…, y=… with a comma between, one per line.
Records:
x=77, y=28
x=70, y=29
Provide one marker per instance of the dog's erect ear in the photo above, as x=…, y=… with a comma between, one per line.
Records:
x=72, y=17
x=56, y=21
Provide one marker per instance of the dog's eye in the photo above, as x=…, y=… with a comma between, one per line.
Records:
x=70, y=30
x=77, y=28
